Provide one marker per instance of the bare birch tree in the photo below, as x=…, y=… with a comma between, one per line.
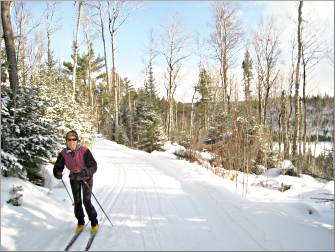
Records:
x=287, y=132
x=312, y=52
x=282, y=121
x=267, y=51
x=26, y=55
x=116, y=18
x=75, y=51
x=225, y=40
x=29, y=43
x=89, y=35
x=297, y=85
x=101, y=16
x=21, y=21
x=173, y=46
x=51, y=27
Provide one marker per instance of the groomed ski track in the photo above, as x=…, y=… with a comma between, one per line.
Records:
x=155, y=204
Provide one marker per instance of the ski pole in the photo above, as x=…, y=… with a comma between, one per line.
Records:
x=97, y=202
x=67, y=191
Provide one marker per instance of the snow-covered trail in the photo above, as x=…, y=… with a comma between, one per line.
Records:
x=157, y=202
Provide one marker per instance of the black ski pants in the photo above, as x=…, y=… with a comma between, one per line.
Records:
x=77, y=186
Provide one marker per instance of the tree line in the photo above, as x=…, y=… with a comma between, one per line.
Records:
x=88, y=93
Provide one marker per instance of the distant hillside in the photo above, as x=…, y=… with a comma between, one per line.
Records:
x=320, y=115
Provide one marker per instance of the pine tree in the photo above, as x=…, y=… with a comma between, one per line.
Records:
x=88, y=66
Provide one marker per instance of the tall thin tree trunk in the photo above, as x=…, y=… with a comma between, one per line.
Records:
x=75, y=52
x=104, y=46
x=49, y=52
x=49, y=18
x=300, y=127
x=113, y=81
x=304, y=102
x=23, y=65
x=176, y=116
x=287, y=145
x=10, y=48
x=259, y=92
x=192, y=116
x=86, y=29
x=89, y=76
x=282, y=122
x=170, y=105
x=131, y=137
x=266, y=99
x=297, y=82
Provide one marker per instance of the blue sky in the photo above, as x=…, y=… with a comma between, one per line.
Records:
x=133, y=36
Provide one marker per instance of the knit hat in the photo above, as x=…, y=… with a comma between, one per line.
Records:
x=72, y=134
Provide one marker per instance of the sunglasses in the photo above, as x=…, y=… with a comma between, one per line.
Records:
x=71, y=139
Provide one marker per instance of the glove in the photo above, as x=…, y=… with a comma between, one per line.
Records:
x=83, y=174
x=59, y=175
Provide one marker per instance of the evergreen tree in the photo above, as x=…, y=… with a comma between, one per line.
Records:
x=30, y=138
x=247, y=75
x=149, y=85
x=218, y=126
x=10, y=165
x=127, y=110
x=203, y=88
x=149, y=131
x=57, y=91
x=88, y=67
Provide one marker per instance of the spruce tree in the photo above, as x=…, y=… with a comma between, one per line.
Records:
x=149, y=132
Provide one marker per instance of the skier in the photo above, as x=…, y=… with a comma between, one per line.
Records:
x=82, y=165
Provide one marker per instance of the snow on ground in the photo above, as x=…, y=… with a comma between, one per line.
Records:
x=157, y=202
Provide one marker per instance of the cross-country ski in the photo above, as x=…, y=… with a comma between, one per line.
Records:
x=73, y=240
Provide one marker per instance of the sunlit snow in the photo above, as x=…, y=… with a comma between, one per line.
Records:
x=157, y=202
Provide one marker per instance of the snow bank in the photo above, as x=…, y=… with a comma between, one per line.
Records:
x=21, y=226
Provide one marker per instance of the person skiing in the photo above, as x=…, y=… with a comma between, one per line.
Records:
x=82, y=165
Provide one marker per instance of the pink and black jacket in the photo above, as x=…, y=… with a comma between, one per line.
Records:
x=76, y=161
